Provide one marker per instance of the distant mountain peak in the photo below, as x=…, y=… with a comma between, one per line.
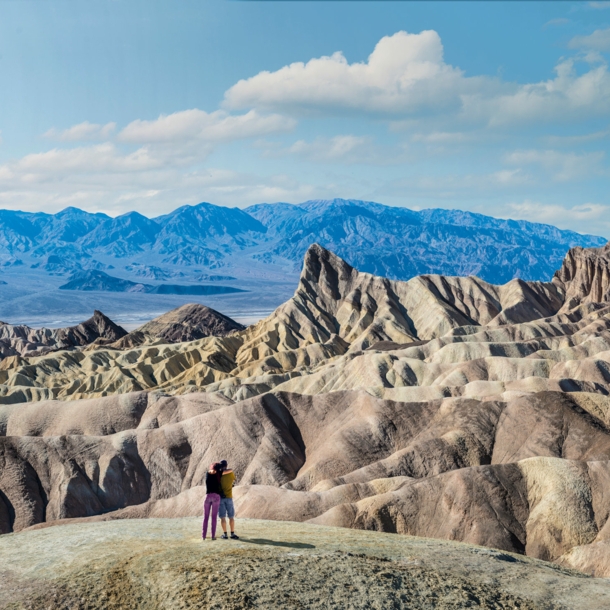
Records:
x=390, y=241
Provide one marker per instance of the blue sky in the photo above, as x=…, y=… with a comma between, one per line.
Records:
x=496, y=107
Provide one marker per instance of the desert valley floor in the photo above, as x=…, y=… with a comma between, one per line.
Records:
x=441, y=407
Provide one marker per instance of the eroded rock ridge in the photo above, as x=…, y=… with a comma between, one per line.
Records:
x=443, y=406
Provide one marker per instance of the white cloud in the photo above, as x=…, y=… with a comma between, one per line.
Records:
x=589, y=217
x=347, y=149
x=442, y=137
x=181, y=138
x=195, y=124
x=568, y=96
x=600, y=5
x=145, y=162
x=579, y=139
x=150, y=179
x=562, y=166
x=100, y=158
x=82, y=132
x=338, y=148
x=406, y=75
x=557, y=21
x=599, y=40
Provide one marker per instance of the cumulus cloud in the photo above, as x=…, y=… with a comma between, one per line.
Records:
x=404, y=73
x=82, y=132
x=562, y=166
x=407, y=75
x=599, y=40
x=218, y=126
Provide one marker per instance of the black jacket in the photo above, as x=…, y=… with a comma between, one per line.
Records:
x=212, y=484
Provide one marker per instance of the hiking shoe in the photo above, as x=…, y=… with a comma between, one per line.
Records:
x=234, y=536
x=224, y=536
x=213, y=538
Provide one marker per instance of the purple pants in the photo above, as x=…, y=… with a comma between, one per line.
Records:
x=212, y=501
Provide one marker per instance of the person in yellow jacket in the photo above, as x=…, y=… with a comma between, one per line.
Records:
x=227, y=480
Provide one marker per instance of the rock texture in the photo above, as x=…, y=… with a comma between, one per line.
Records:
x=528, y=474
x=476, y=332
x=584, y=276
x=186, y=323
x=189, y=323
x=438, y=407
x=163, y=564
x=20, y=340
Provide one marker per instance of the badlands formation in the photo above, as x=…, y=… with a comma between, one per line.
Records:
x=441, y=407
x=21, y=340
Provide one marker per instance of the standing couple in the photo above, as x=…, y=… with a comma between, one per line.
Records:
x=219, y=483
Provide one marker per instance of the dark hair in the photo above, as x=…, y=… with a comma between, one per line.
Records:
x=218, y=468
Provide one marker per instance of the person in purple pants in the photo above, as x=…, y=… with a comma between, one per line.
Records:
x=212, y=499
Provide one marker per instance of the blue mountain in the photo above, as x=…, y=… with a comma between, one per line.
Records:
x=203, y=234
x=401, y=243
x=389, y=241
x=123, y=235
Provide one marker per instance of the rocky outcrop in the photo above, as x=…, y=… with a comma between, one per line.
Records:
x=189, y=323
x=20, y=340
x=186, y=323
x=584, y=276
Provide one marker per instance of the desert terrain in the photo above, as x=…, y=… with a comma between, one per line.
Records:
x=161, y=563
x=440, y=407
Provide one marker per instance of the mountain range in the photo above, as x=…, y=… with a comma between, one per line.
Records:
x=395, y=242
x=441, y=407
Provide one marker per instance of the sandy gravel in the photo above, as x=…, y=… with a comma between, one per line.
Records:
x=163, y=563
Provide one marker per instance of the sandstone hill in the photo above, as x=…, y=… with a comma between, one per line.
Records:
x=186, y=323
x=20, y=340
x=158, y=563
x=584, y=276
x=322, y=335
x=189, y=323
x=439, y=407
